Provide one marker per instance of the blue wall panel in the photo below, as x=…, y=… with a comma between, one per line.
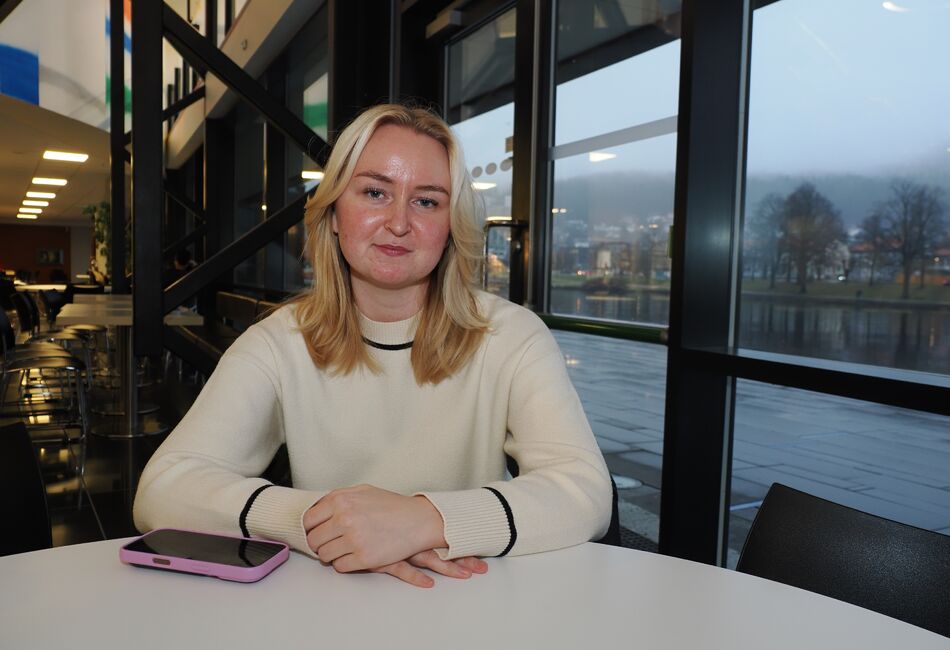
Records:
x=19, y=74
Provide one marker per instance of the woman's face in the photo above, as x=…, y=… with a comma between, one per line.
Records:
x=393, y=217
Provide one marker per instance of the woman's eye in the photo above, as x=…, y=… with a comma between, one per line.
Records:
x=373, y=193
x=428, y=203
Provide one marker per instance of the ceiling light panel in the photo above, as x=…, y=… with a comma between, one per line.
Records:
x=66, y=156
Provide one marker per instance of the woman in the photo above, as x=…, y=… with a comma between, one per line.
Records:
x=393, y=372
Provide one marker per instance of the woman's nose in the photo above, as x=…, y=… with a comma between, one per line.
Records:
x=397, y=220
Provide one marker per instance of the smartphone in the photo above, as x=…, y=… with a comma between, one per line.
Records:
x=222, y=556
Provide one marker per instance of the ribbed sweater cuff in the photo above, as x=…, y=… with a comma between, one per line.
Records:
x=475, y=523
x=277, y=513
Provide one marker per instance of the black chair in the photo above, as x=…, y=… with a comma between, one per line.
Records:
x=616, y=534
x=882, y=565
x=22, y=494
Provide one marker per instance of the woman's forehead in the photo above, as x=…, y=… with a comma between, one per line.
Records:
x=399, y=150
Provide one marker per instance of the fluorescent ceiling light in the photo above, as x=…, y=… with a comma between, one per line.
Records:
x=311, y=175
x=31, y=210
x=890, y=6
x=600, y=156
x=41, y=204
x=483, y=186
x=65, y=155
x=40, y=195
x=49, y=181
x=497, y=218
x=26, y=216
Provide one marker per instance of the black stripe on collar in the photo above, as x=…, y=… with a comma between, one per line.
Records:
x=384, y=346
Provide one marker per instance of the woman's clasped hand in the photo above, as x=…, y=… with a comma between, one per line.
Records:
x=366, y=528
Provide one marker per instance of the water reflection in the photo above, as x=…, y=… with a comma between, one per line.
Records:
x=907, y=337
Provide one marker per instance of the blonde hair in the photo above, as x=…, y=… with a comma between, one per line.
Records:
x=450, y=327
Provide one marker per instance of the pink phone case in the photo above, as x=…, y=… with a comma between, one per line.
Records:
x=214, y=569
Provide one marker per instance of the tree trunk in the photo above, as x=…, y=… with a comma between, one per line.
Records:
x=905, y=289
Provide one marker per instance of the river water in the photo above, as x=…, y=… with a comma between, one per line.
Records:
x=906, y=337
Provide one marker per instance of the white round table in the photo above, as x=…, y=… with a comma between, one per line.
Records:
x=589, y=596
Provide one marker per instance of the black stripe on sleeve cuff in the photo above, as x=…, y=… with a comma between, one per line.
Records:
x=247, y=508
x=511, y=521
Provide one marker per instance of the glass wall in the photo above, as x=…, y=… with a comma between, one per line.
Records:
x=846, y=241
x=846, y=254
x=280, y=266
x=622, y=387
x=614, y=159
x=307, y=95
x=887, y=461
x=249, y=188
x=480, y=107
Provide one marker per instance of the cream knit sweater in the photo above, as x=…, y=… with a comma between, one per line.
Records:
x=447, y=442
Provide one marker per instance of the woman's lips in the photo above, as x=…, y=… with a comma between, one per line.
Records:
x=392, y=251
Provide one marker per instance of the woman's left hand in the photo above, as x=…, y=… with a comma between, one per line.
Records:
x=406, y=570
x=365, y=527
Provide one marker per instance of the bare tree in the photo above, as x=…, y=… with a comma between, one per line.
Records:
x=914, y=218
x=811, y=228
x=874, y=235
x=764, y=233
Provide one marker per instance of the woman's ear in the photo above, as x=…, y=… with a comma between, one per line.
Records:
x=333, y=224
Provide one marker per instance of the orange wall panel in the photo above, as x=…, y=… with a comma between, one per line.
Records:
x=23, y=247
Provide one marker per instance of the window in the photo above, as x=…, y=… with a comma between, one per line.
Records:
x=884, y=460
x=307, y=96
x=614, y=160
x=622, y=387
x=846, y=251
x=480, y=105
x=249, y=188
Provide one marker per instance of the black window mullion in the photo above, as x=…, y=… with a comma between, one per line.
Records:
x=697, y=449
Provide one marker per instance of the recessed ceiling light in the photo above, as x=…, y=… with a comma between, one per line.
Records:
x=41, y=204
x=40, y=195
x=49, y=181
x=483, y=186
x=32, y=210
x=65, y=155
x=26, y=216
x=311, y=175
x=600, y=156
x=497, y=218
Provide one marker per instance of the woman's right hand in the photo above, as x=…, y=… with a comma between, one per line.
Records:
x=407, y=571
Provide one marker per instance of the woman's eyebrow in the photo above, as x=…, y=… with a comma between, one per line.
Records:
x=432, y=188
x=382, y=178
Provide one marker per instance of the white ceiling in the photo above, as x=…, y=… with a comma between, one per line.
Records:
x=26, y=130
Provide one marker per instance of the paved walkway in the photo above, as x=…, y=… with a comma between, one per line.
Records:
x=888, y=461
